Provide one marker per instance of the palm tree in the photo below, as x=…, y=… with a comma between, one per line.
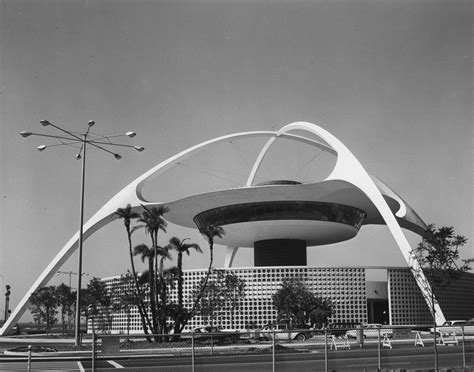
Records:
x=161, y=254
x=127, y=215
x=181, y=247
x=164, y=254
x=148, y=254
x=210, y=231
x=154, y=222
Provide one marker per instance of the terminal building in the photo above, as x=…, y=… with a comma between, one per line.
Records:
x=280, y=219
x=396, y=301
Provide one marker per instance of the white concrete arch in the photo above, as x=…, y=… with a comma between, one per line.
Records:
x=349, y=169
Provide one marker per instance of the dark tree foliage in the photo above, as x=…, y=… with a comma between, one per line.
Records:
x=439, y=257
x=66, y=300
x=124, y=297
x=96, y=303
x=44, y=303
x=222, y=294
x=298, y=306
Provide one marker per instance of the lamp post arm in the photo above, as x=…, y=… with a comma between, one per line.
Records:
x=57, y=137
x=72, y=144
x=99, y=147
x=112, y=136
x=109, y=144
x=66, y=131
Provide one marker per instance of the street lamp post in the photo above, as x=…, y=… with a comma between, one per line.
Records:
x=73, y=139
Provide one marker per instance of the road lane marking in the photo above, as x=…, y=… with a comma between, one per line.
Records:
x=81, y=368
x=370, y=364
x=115, y=364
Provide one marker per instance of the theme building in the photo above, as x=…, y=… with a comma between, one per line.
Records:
x=396, y=301
x=280, y=220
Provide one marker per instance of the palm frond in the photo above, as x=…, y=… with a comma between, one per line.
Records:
x=163, y=252
x=195, y=246
x=135, y=228
x=175, y=243
x=126, y=213
x=142, y=250
x=212, y=231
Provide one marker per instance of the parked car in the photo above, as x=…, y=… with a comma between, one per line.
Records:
x=284, y=332
x=455, y=326
x=216, y=334
x=371, y=330
x=339, y=329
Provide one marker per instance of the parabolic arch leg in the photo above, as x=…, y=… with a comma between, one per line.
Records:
x=229, y=256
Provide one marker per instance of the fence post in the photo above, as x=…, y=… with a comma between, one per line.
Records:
x=273, y=351
x=326, y=364
x=192, y=351
x=212, y=345
x=29, y=358
x=378, y=349
x=93, y=350
x=463, y=347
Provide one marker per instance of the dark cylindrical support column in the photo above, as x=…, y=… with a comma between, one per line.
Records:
x=280, y=252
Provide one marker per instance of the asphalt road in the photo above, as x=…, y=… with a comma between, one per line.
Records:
x=406, y=357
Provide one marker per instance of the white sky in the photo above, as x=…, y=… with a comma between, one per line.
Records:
x=391, y=79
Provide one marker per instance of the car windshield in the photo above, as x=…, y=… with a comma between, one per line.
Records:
x=375, y=325
x=453, y=322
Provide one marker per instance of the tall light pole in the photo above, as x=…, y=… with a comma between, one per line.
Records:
x=81, y=141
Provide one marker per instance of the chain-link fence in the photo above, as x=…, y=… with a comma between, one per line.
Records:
x=361, y=348
x=368, y=347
